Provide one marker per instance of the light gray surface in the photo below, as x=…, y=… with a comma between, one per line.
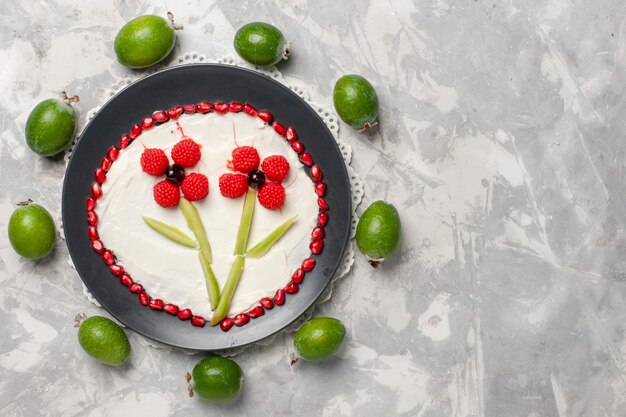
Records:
x=500, y=144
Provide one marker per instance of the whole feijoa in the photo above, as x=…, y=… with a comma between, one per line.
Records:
x=261, y=44
x=356, y=101
x=378, y=232
x=319, y=338
x=50, y=127
x=104, y=340
x=144, y=41
x=217, y=379
x=31, y=231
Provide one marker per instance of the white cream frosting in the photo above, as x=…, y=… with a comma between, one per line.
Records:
x=172, y=272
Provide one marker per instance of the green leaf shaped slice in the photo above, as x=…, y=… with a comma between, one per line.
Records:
x=171, y=232
x=260, y=249
x=195, y=224
x=212, y=286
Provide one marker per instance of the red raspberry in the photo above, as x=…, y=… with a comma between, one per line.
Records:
x=272, y=195
x=275, y=168
x=186, y=153
x=195, y=186
x=245, y=159
x=166, y=194
x=233, y=185
x=153, y=161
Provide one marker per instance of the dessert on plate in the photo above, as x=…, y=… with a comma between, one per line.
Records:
x=209, y=212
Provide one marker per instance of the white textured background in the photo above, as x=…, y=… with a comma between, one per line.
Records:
x=500, y=143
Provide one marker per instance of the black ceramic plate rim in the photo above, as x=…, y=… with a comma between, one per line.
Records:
x=122, y=304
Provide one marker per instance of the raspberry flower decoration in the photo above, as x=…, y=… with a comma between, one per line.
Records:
x=267, y=180
x=264, y=184
x=167, y=194
x=185, y=154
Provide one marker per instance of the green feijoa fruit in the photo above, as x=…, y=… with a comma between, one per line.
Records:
x=319, y=338
x=104, y=340
x=378, y=232
x=50, y=127
x=356, y=101
x=261, y=44
x=31, y=231
x=217, y=379
x=144, y=41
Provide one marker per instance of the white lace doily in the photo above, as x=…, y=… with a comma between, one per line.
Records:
x=329, y=118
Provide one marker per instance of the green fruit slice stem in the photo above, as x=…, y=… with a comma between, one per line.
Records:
x=228, y=291
x=212, y=286
x=245, y=223
x=236, y=268
x=195, y=224
x=261, y=248
x=170, y=232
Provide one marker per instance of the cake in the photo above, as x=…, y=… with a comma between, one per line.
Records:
x=135, y=207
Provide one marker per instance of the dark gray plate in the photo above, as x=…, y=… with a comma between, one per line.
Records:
x=193, y=84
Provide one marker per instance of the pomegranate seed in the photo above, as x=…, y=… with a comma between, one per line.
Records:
x=226, y=324
x=189, y=108
x=160, y=117
x=174, y=112
x=171, y=309
x=292, y=288
x=279, y=297
x=136, y=288
x=105, y=165
x=298, y=276
x=322, y=204
x=318, y=233
x=125, y=141
x=297, y=146
x=126, y=280
x=135, y=131
x=322, y=219
x=221, y=107
x=280, y=129
x=107, y=257
x=198, y=321
x=265, y=116
x=96, y=191
x=250, y=110
x=320, y=189
x=306, y=159
x=184, y=314
x=100, y=176
x=147, y=123
x=92, y=218
x=316, y=173
x=256, y=312
x=267, y=303
x=308, y=264
x=290, y=134
x=204, y=107
x=241, y=319
x=316, y=246
x=144, y=298
x=235, y=107
x=156, y=304
x=113, y=153
x=91, y=204
x=92, y=231
x=97, y=246
x=116, y=269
